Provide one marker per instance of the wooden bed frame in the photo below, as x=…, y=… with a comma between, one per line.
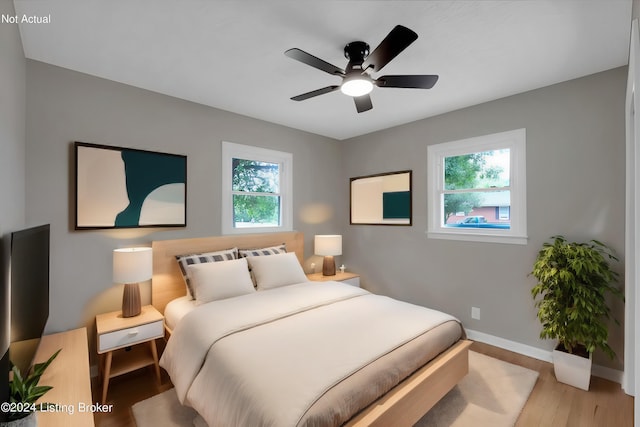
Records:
x=403, y=405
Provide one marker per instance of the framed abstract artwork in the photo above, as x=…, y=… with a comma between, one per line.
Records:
x=127, y=188
x=381, y=199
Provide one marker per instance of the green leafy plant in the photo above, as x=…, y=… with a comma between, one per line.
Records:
x=24, y=391
x=574, y=280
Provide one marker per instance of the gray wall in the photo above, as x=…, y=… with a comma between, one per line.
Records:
x=12, y=147
x=575, y=187
x=575, y=162
x=65, y=106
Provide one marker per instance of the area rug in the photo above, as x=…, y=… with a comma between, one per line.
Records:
x=492, y=394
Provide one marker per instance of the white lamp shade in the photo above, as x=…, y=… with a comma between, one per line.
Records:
x=328, y=245
x=132, y=265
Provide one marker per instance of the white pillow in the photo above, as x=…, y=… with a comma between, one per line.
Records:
x=212, y=281
x=276, y=270
x=185, y=260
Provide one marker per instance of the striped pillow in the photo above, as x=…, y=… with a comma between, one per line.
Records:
x=186, y=260
x=273, y=250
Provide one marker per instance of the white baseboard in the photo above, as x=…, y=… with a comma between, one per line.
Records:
x=607, y=373
x=538, y=353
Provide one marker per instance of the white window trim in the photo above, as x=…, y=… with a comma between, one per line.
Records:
x=232, y=150
x=515, y=141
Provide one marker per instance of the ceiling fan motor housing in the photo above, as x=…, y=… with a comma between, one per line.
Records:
x=356, y=53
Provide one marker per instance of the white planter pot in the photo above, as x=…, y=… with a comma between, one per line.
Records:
x=30, y=420
x=571, y=369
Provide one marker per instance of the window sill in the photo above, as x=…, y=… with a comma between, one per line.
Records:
x=478, y=237
x=254, y=230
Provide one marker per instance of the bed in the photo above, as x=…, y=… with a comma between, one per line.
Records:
x=312, y=376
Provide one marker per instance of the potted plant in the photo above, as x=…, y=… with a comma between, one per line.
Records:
x=23, y=393
x=574, y=280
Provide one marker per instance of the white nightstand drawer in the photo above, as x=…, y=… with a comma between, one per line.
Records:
x=130, y=336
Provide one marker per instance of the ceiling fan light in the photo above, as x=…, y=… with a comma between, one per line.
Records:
x=356, y=87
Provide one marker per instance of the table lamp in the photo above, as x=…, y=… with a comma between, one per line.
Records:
x=328, y=245
x=130, y=266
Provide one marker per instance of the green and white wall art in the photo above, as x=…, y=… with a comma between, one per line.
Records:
x=124, y=188
x=381, y=199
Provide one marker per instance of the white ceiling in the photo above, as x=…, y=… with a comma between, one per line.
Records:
x=229, y=54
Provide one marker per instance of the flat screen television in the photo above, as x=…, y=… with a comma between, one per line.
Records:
x=4, y=383
x=29, y=293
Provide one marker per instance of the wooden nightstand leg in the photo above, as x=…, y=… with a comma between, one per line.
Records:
x=154, y=353
x=100, y=367
x=106, y=375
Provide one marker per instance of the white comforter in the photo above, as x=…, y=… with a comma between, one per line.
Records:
x=263, y=359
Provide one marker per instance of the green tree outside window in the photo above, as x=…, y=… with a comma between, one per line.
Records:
x=256, y=193
x=467, y=172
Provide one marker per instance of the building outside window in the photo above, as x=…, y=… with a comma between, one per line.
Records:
x=477, y=189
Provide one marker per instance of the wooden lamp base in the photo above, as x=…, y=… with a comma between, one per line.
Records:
x=131, y=300
x=328, y=266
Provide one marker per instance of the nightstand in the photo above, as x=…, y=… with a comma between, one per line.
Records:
x=120, y=340
x=346, y=277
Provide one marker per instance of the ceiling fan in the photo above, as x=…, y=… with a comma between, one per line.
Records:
x=356, y=78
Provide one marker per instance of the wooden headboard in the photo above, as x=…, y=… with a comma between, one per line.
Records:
x=167, y=282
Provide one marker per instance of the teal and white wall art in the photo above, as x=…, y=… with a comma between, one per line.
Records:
x=124, y=188
x=381, y=199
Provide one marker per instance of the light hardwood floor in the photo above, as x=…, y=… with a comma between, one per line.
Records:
x=551, y=404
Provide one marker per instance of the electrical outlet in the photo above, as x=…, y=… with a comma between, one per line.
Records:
x=475, y=313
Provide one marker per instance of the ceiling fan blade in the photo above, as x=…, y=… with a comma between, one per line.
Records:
x=412, y=82
x=307, y=58
x=315, y=93
x=363, y=103
x=396, y=41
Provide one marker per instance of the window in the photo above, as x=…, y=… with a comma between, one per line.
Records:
x=256, y=189
x=477, y=189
